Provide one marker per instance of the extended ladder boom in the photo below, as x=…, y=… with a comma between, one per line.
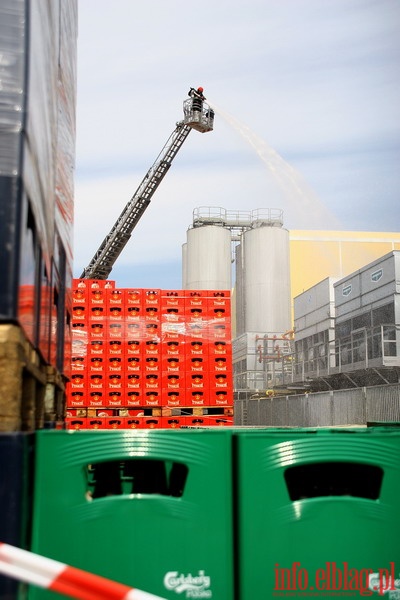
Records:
x=199, y=117
x=103, y=261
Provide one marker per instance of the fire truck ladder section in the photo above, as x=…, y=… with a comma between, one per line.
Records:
x=103, y=261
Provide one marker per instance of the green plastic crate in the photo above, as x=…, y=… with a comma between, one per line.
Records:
x=318, y=512
x=151, y=509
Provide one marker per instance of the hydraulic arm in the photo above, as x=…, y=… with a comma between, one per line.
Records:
x=103, y=261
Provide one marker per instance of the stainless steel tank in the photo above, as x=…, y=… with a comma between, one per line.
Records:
x=240, y=314
x=264, y=274
x=184, y=265
x=208, y=258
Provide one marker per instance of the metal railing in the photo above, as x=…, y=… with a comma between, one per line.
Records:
x=364, y=348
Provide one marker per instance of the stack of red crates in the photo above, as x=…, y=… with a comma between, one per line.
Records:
x=145, y=358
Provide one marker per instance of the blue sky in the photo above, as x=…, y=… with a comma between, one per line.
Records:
x=307, y=94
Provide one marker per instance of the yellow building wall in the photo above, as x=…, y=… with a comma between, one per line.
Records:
x=315, y=255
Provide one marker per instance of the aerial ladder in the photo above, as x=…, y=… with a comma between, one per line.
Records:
x=199, y=117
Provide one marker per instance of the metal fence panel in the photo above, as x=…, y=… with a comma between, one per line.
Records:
x=383, y=403
x=297, y=411
x=354, y=406
x=253, y=415
x=348, y=407
x=319, y=409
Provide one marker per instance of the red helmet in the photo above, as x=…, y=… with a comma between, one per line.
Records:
x=199, y=89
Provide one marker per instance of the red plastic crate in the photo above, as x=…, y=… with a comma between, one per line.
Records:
x=150, y=330
x=173, y=314
x=115, y=381
x=78, y=380
x=97, y=313
x=115, y=398
x=133, y=297
x=152, y=397
x=219, y=298
x=173, y=364
x=151, y=364
x=134, y=423
x=133, y=381
x=195, y=298
x=195, y=421
x=197, y=381
x=79, y=344
x=220, y=348
x=76, y=423
x=172, y=299
x=96, y=348
x=80, y=327
x=96, y=398
x=197, y=397
x=219, y=330
x=151, y=347
x=134, y=330
x=152, y=381
x=196, y=313
x=116, y=364
x=114, y=347
x=96, y=423
x=196, y=330
x=172, y=422
x=173, y=381
x=96, y=364
x=115, y=297
x=151, y=297
x=134, y=347
x=116, y=330
x=220, y=364
x=97, y=296
x=132, y=397
x=79, y=295
x=151, y=422
x=133, y=312
x=76, y=397
x=96, y=381
x=221, y=397
x=97, y=330
x=173, y=397
x=114, y=423
x=175, y=347
x=115, y=313
x=221, y=381
x=152, y=313
x=173, y=332
x=133, y=364
x=197, y=364
x=79, y=312
x=197, y=347
x=78, y=364
x=220, y=313
x=220, y=421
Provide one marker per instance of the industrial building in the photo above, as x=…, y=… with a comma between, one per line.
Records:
x=340, y=332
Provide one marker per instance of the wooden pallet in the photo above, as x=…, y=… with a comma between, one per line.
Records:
x=190, y=411
x=31, y=392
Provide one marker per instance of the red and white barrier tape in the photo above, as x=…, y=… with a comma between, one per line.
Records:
x=63, y=579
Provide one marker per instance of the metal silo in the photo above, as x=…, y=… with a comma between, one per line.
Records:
x=184, y=266
x=265, y=276
x=240, y=315
x=208, y=258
